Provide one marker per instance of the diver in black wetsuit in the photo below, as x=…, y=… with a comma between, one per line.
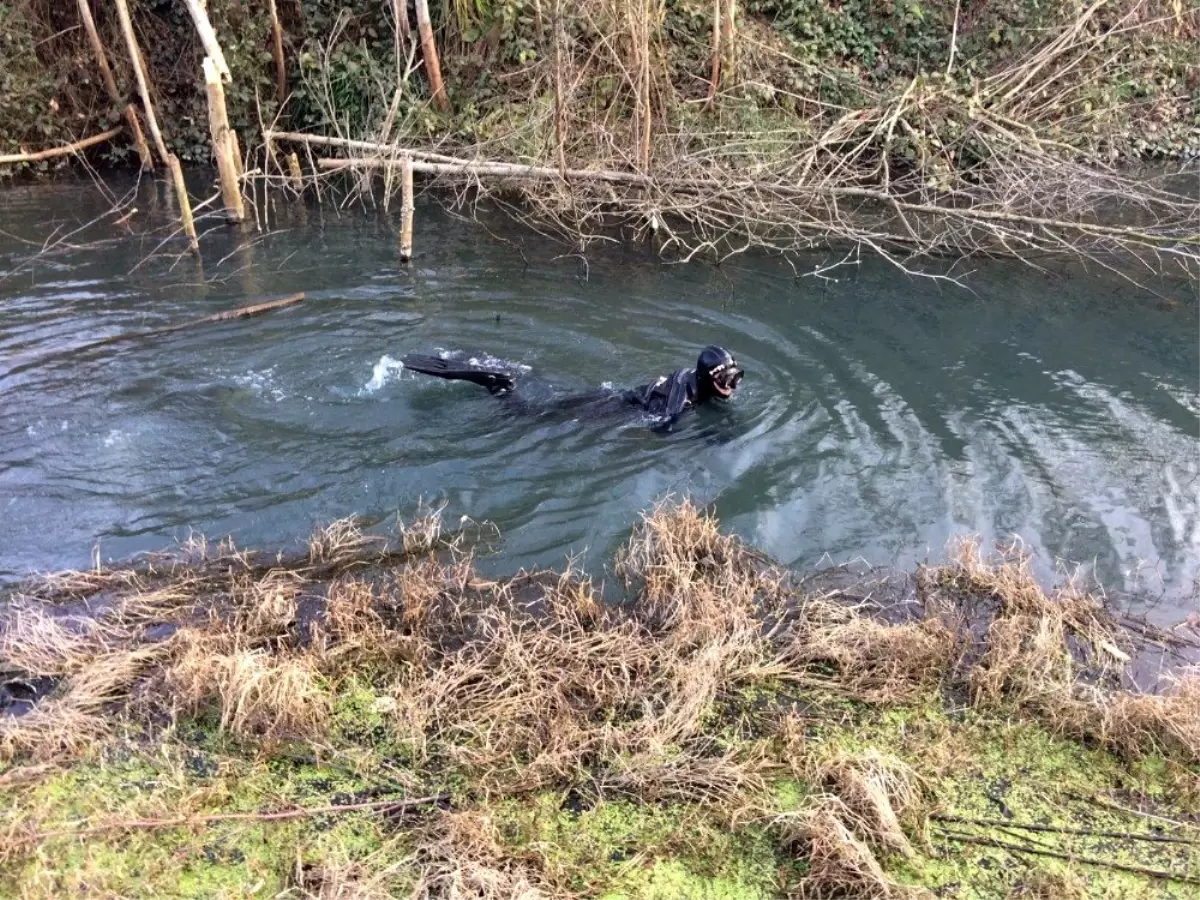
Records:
x=715, y=377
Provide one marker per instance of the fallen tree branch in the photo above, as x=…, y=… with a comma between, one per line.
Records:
x=501, y=170
x=100, y=138
x=278, y=816
x=243, y=312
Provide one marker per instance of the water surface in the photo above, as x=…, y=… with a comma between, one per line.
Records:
x=881, y=414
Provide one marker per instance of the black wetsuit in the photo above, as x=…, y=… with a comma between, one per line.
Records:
x=665, y=398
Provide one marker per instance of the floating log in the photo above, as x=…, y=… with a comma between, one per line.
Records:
x=208, y=37
x=139, y=71
x=222, y=143
x=61, y=151
x=242, y=312
x=430, y=55
x=277, y=54
x=407, y=208
x=110, y=85
x=185, y=204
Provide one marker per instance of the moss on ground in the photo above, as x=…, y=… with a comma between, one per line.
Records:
x=974, y=765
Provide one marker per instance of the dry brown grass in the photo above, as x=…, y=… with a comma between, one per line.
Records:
x=259, y=693
x=879, y=791
x=462, y=857
x=872, y=660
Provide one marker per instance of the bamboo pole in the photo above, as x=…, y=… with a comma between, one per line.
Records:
x=407, y=208
x=185, y=205
x=139, y=71
x=208, y=37
x=277, y=53
x=110, y=85
x=218, y=125
x=429, y=53
x=61, y=151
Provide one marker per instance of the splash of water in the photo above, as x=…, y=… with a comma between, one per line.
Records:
x=381, y=374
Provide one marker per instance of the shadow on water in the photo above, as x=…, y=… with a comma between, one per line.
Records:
x=881, y=414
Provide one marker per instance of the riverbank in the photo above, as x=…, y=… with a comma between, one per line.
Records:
x=905, y=129
x=371, y=718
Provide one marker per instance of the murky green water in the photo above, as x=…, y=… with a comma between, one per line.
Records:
x=881, y=414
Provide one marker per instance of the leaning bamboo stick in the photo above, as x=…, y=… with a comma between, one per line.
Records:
x=222, y=144
x=277, y=53
x=110, y=85
x=407, y=208
x=429, y=53
x=185, y=205
x=208, y=37
x=61, y=151
x=139, y=71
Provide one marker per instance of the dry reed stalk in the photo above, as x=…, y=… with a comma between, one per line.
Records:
x=462, y=856
x=841, y=864
x=878, y=789
x=876, y=662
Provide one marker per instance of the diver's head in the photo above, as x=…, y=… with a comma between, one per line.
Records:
x=717, y=373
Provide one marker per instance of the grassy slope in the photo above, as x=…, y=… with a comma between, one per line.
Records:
x=673, y=750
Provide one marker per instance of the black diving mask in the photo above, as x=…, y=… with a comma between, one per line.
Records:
x=726, y=378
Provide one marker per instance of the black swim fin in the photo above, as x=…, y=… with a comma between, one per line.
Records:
x=454, y=370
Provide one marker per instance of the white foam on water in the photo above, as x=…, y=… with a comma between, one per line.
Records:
x=261, y=383
x=380, y=375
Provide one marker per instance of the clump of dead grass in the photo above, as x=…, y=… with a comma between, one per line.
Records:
x=872, y=660
x=1036, y=639
x=840, y=862
x=259, y=693
x=877, y=789
x=462, y=856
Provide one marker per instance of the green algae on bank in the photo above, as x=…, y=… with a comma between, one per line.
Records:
x=972, y=765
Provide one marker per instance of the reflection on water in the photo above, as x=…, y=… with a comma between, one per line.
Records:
x=880, y=415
